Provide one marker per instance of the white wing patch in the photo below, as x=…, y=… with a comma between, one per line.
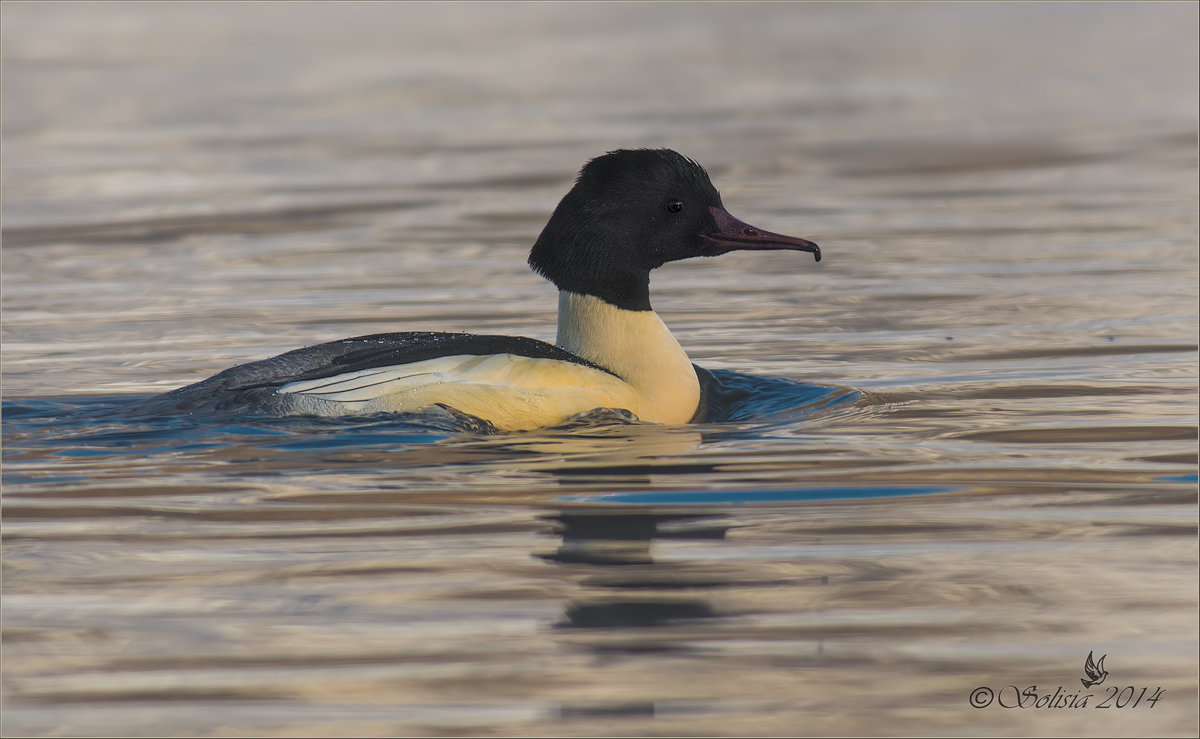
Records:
x=372, y=383
x=349, y=387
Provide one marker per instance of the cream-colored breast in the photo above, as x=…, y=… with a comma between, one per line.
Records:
x=638, y=347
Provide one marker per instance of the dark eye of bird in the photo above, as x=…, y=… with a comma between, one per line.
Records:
x=674, y=206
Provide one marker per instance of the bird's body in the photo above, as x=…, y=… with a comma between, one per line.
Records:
x=621, y=220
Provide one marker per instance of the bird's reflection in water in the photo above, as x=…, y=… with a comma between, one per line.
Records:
x=630, y=590
x=624, y=537
x=616, y=711
x=632, y=604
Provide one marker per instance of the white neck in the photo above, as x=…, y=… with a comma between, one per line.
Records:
x=638, y=347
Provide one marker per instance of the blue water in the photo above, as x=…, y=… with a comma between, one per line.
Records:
x=741, y=497
x=741, y=406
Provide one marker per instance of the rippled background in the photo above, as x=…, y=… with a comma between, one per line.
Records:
x=969, y=460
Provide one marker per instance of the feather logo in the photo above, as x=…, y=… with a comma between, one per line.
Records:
x=1094, y=669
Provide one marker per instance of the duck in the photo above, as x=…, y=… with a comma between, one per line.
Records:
x=629, y=212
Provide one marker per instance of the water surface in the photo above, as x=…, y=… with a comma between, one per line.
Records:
x=965, y=455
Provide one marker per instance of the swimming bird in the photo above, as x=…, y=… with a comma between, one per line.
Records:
x=629, y=212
